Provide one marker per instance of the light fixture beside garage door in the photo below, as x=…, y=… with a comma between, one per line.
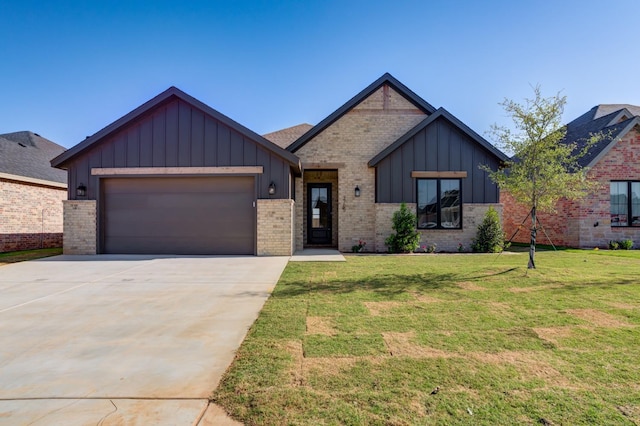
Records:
x=272, y=188
x=81, y=190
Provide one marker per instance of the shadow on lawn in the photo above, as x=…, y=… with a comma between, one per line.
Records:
x=388, y=285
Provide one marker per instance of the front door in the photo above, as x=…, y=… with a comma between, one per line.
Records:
x=319, y=213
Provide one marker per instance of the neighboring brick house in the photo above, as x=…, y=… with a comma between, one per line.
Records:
x=176, y=176
x=31, y=193
x=612, y=212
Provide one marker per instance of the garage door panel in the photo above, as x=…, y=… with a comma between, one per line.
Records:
x=202, y=215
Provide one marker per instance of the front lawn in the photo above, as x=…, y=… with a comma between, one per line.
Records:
x=365, y=342
x=21, y=256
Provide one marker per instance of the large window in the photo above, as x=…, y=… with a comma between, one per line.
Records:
x=439, y=204
x=625, y=203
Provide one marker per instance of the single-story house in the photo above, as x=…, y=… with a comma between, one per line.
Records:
x=31, y=192
x=176, y=176
x=612, y=211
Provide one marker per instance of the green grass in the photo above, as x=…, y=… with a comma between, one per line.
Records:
x=21, y=256
x=364, y=342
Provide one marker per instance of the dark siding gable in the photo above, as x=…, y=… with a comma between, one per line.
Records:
x=440, y=146
x=177, y=134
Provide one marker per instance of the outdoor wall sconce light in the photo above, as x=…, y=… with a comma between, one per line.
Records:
x=596, y=224
x=81, y=190
x=357, y=191
x=272, y=188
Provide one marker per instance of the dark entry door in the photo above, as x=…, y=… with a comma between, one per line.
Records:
x=319, y=213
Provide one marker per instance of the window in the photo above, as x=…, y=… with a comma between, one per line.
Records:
x=625, y=208
x=439, y=205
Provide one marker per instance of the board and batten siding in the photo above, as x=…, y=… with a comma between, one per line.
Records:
x=176, y=134
x=438, y=147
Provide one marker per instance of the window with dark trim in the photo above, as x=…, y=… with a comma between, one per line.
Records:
x=625, y=203
x=439, y=204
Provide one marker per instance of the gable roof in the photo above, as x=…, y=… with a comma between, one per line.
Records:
x=613, y=121
x=385, y=79
x=28, y=154
x=441, y=112
x=173, y=93
x=284, y=137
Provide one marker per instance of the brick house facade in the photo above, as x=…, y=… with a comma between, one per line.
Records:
x=336, y=184
x=587, y=223
x=31, y=193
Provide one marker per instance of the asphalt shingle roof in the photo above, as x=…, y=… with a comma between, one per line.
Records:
x=29, y=154
x=285, y=137
x=611, y=120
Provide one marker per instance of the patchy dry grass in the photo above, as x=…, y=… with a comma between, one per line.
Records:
x=365, y=342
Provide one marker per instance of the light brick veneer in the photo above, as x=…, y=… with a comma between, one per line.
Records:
x=80, y=230
x=30, y=215
x=353, y=140
x=445, y=239
x=276, y=224
x=573, y=223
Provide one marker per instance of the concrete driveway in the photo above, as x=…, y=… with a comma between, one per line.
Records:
x=124, y=339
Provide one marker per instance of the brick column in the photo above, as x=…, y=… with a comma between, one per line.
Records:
x=80, y=230
x=276, y=227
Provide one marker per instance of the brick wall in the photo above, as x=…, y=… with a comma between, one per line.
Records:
x=276, y=224
x=573, y=222
x=445, y=239
x=351, y=142
x=80, y=230
x=30, y=216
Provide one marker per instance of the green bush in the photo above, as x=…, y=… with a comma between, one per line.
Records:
x=621, y=244
x=625, y=244
x=490, y=237
x=407, y=238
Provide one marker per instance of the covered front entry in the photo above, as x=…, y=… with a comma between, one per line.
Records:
x=178, y=215
x=321, y=208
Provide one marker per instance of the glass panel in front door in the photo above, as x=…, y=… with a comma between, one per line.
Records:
x=319, y=208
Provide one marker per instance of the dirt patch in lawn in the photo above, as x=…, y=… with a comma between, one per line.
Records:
x=553, y=334
x=321, y=325
x=528, y=364
x=379, y=308
x=621, y=305
x=468, y=285
x=534, y=288
x=403, y=344
x=598, y=318
x=294, y=348
x=631, y=412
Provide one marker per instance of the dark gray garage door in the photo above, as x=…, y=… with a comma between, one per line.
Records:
x=178, y=215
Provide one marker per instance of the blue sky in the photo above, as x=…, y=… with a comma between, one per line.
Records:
x=70, y=68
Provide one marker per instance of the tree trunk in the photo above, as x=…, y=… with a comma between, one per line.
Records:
x=532, y=247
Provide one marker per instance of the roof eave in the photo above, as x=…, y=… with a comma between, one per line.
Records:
x=441, y=112
x=634, y=122
x=172, y=92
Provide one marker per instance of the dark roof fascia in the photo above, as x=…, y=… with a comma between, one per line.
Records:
x=441, y=112
x=635, y=121
x=161, y=98
x=333, y=117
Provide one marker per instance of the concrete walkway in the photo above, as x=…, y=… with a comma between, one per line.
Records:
x=317, y=255
x=124, y=339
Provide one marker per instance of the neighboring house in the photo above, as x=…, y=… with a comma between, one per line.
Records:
x=612, y=212
x=175, y=176
x=31, y=192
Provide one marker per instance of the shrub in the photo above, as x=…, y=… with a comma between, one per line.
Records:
x=490, y=237
x=406, y=238
x=621, y=244
x=625, y=244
